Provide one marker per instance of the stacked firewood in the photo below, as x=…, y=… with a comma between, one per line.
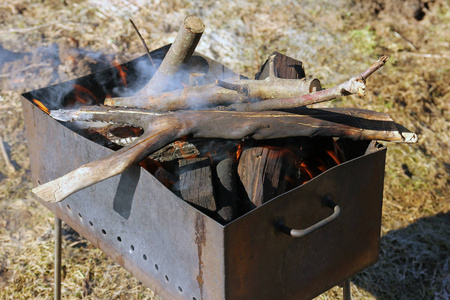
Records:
x=265, y=123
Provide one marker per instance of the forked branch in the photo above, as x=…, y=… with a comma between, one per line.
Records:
x=162, y=129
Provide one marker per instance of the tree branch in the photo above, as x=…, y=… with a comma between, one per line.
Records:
x=180, y=51
x=162, y=129
x=355, y=85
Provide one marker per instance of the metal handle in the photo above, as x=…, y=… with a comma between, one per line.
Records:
x=297, y=233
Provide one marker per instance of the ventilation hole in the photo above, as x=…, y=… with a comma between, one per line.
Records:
x=68, y=206
x=144, y=257
x=132, y=248
x=193, y=298
x=103, y=231
x=180, y=289
x=90, y=223
x=156, y=267
x=167, y=277
x=39, y=182
x=119, y=238
x=81, y=217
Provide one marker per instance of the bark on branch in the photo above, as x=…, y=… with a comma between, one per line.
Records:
x=220, y=93
x=355, y=85
x=241, y=95
x=161, y=129
x=180, y=51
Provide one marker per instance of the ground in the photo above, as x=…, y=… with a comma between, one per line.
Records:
x=57, y=40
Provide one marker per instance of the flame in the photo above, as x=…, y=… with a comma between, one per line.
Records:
x=321, y=161
x=83, y=95
x=239, y=150
x=304, y=167
x=41, y=106
x=334, y=156
x=122, y=73
x=338, y=153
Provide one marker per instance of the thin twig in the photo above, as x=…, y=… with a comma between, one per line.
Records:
x=9, y=166
x=143, y=43
x=380, y=62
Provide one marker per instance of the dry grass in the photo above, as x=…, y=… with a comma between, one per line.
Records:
x=334, y=40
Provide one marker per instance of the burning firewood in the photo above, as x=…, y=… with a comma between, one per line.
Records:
x=196, y=184
x=226, y=195
x=266, y=172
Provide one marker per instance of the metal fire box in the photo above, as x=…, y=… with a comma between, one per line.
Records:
x=181, y=253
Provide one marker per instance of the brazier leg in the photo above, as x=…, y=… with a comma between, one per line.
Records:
x=347, y=292
x=57, y=287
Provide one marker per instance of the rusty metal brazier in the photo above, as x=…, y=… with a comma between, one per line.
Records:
x=181, y=253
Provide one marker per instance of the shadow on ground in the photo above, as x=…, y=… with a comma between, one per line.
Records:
x=414, y=262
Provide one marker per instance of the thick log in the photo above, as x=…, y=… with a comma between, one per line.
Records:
x=220, y=94
x=283, y=67
x=161, y=129
x=357, y=124
x=179, y=53
x=196, y=185
x=188, y=98
x=273, y=87
x=266, y=172
x=226, y=191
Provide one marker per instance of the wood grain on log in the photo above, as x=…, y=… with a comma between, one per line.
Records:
x=226, y=191
x=196, y=184
x=283, y=67
x=265, y=172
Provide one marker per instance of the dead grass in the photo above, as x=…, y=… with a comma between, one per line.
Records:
x=335, y=40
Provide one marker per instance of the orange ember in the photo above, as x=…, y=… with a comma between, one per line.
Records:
x=239, y=150
x=122, y=73
x=41, y=106
x=84, y=95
